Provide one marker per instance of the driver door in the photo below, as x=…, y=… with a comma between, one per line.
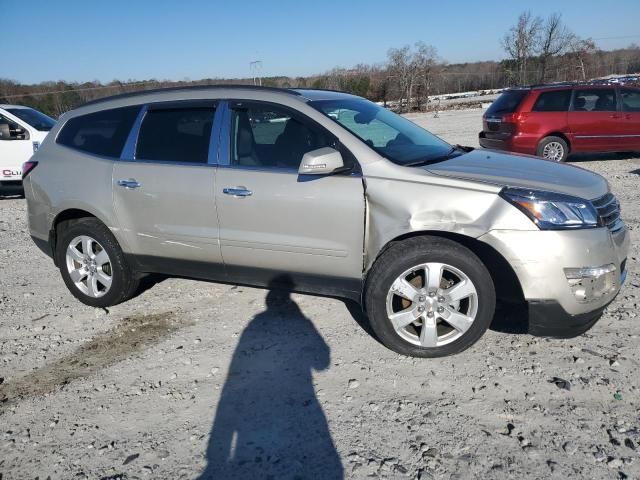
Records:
x=271, y=218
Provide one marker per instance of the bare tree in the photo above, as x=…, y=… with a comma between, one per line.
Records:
x=554, y=39
x=580, y=50
x=425, y=60
x=520, y=41
x=402, y=68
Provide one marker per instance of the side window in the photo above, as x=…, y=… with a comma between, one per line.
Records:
x=557, y=101
x=267, y=136
x=101, y=133
x=176, y=135
x=10, y=130
x=630, y=100
x=595, y=100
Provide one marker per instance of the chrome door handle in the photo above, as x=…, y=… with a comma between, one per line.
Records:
x=129, y=183
x=237, y=192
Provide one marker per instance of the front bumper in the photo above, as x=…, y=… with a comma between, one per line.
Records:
x=549, y=319
x=539, y=259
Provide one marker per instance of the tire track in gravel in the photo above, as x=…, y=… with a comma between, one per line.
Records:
x=130, y=335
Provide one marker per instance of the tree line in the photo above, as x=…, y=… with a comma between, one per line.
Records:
x=538, y=50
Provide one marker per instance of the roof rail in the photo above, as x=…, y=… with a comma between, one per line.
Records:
x=188, y=88
x=600, y=81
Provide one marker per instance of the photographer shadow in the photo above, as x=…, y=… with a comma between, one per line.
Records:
x=269, y=423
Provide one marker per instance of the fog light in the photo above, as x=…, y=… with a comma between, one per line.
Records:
x=592, y=283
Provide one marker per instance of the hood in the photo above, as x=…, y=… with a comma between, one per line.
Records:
x=508, y=170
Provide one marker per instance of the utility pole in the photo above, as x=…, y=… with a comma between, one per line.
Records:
x=255, y=67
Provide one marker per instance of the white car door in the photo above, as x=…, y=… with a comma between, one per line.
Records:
x=15, y=149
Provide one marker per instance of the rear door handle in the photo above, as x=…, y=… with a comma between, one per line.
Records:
x=129, y=183
x=237, y=191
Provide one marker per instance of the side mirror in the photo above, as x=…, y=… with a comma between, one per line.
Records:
x=5, y=133
x=322, y=161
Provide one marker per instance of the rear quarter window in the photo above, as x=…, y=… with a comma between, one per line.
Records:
x=556, y=101
x=100, y=133
x=507, y=102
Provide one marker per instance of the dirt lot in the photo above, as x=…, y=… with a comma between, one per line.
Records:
x=172, y=383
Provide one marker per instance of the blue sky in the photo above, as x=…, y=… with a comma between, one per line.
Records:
x=85, y=40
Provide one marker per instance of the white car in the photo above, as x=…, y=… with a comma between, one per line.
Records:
x=22, y=129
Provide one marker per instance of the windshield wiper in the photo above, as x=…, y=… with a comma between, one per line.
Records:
x=439, y=158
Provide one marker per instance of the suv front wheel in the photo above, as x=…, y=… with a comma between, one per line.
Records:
x=429, y=297
x=92, y=264
x=553, y=148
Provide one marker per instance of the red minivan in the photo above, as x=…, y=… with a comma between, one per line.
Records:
x=553, y=121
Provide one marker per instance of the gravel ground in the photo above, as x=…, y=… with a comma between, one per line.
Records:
x=172, y=383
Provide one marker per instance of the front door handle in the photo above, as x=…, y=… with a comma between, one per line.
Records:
x=237, y=191
x=129, y=183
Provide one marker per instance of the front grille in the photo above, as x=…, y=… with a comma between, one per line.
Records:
x=608, y=209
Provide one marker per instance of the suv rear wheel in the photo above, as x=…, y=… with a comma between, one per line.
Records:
x=429, y=297
x=92, y=264
x=553, y=148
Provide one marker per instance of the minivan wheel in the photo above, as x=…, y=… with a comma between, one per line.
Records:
x=553, y=148
x=92, y=264
x=429, y=297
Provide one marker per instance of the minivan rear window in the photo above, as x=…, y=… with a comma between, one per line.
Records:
x=101, y=133
x=507, y=102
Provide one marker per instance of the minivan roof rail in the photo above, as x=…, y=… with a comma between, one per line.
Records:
x=596, y=82
x=189, y=88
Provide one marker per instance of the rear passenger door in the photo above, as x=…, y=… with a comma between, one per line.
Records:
x=163, y=190
x=594, y=120
x=630, y=100
x=271, y=218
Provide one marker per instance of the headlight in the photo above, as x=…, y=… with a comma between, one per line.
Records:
x=553, y=211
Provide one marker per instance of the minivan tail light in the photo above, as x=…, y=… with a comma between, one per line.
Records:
x=511, y=118
x=27, y=167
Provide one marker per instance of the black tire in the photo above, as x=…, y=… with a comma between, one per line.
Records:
x=124, y=281
x=406, y=254
x=551, y=140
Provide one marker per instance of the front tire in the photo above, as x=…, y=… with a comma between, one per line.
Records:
x=92, y=263
x=553, y=148
x=429, y=297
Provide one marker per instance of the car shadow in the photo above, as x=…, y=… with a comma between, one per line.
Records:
x=597, y=157
x=510, y=318
x=269, y=423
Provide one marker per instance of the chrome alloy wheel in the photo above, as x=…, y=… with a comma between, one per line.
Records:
x=553, y=151
x=89, y=266
x=432, y=304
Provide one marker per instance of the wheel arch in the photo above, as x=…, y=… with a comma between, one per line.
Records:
x=506, y=282
x=75, y=213
x=556, y=134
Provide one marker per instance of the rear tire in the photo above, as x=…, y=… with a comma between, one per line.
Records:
x=461, y=292
x=92, y=263
x=553, y=148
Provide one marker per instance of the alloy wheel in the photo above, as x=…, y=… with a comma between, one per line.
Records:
x=553, y=151
x=432, y=304
x=89, y=266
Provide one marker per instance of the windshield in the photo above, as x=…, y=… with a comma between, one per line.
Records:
x=36, y=119
x=507, y=102
x=389, y=134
